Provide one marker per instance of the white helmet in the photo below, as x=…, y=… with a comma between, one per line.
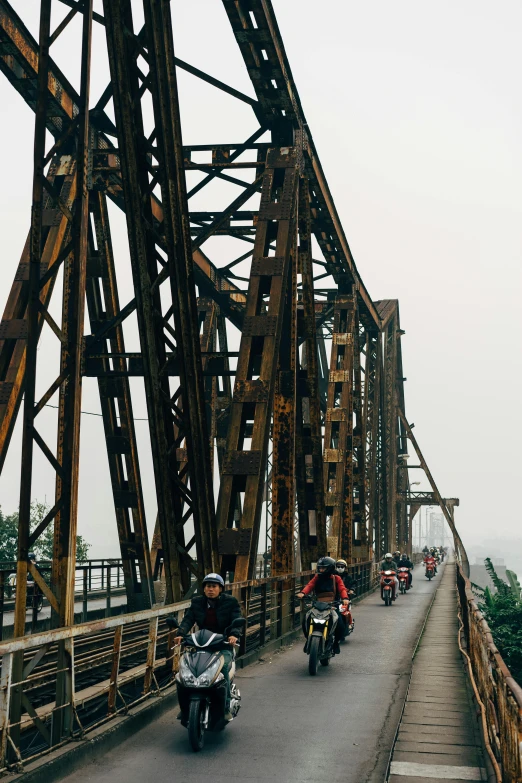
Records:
x=388, y=556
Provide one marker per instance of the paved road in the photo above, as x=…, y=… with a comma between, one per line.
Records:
x=338, y=726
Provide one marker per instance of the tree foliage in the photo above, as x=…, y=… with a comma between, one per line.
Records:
x=43, y=546
x=503, y=612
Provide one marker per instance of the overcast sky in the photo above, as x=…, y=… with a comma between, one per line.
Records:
x=416, y=113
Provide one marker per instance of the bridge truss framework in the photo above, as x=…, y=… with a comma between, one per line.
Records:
x=315, y=388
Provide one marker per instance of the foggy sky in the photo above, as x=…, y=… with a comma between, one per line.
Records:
x=416, y=113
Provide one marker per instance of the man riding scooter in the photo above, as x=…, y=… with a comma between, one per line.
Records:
x=389, y=564
x=405, y=562
x=430, y=562
x=214, y=611
x=328, y=587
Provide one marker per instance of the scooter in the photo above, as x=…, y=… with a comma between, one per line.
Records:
x=201, y=686
x=403, y=575
x=319, y=628
x=430, y=571
x=388, y=587
x=347, y=618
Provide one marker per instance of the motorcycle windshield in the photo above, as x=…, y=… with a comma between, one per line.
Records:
x=199, y=662
x=321, y=606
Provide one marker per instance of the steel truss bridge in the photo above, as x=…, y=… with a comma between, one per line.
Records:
x=303, y=415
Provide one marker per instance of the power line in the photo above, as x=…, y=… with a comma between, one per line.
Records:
x=89, y=413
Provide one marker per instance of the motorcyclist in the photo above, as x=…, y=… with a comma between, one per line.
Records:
x=397, y=556
x=341, y=569
x=215, y=611
x=435, y=555
x=430, y=560
x=425, y=551
x=389, y=564
x=328, y=587
x=405, y=562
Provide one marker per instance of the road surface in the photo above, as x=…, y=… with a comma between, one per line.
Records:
x=336, y=727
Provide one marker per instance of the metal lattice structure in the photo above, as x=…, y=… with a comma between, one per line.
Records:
x=315, y=387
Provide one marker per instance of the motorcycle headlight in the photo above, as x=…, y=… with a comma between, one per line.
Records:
x=185, y=674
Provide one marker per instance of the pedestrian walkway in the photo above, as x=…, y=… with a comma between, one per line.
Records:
x=437, y=740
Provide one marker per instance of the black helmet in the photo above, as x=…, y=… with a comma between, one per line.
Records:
x=328, y=563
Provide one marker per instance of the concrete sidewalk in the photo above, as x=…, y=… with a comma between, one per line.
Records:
x=437, y=741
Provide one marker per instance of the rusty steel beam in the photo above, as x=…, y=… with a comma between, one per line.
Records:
x=360, y=531
x=66, y=461
x=284, y=432
x=13, y=335
x=279, y=108
x=116, y=407
x=244, y=468
x=308, y=445
x=372, y=378
x=338, y=434
x=177, y=499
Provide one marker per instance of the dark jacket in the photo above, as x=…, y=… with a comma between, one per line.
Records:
x=228, y=609
x=348, y=580
x=388, y=566
x=405, y=563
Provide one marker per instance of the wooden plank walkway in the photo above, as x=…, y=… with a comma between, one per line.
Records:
x=437, y=741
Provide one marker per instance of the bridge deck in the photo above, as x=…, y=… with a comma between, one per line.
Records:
x=338, y=726
x=437, y=739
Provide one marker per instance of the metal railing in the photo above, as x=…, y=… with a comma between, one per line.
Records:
x=499, y=695
x=112, y=664
x=94, y=579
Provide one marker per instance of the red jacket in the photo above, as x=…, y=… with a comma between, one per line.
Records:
x=430, y=560
x=341, y=591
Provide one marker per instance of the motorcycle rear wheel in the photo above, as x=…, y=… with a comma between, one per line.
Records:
x=195, y=726
x=313, y=655
x=430, y=577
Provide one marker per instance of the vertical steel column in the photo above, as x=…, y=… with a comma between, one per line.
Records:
x=251, y=410
x=176, y=225
x=283, y=433
x=390, y=422
x=184, y=491
x=372, y=377
x=360, y=531
x=338, y=436
x=309, y=446
x=116, y=406
x=69, y=413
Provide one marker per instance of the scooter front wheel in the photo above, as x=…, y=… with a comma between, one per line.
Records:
x=196, y=730
x=313, y=655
